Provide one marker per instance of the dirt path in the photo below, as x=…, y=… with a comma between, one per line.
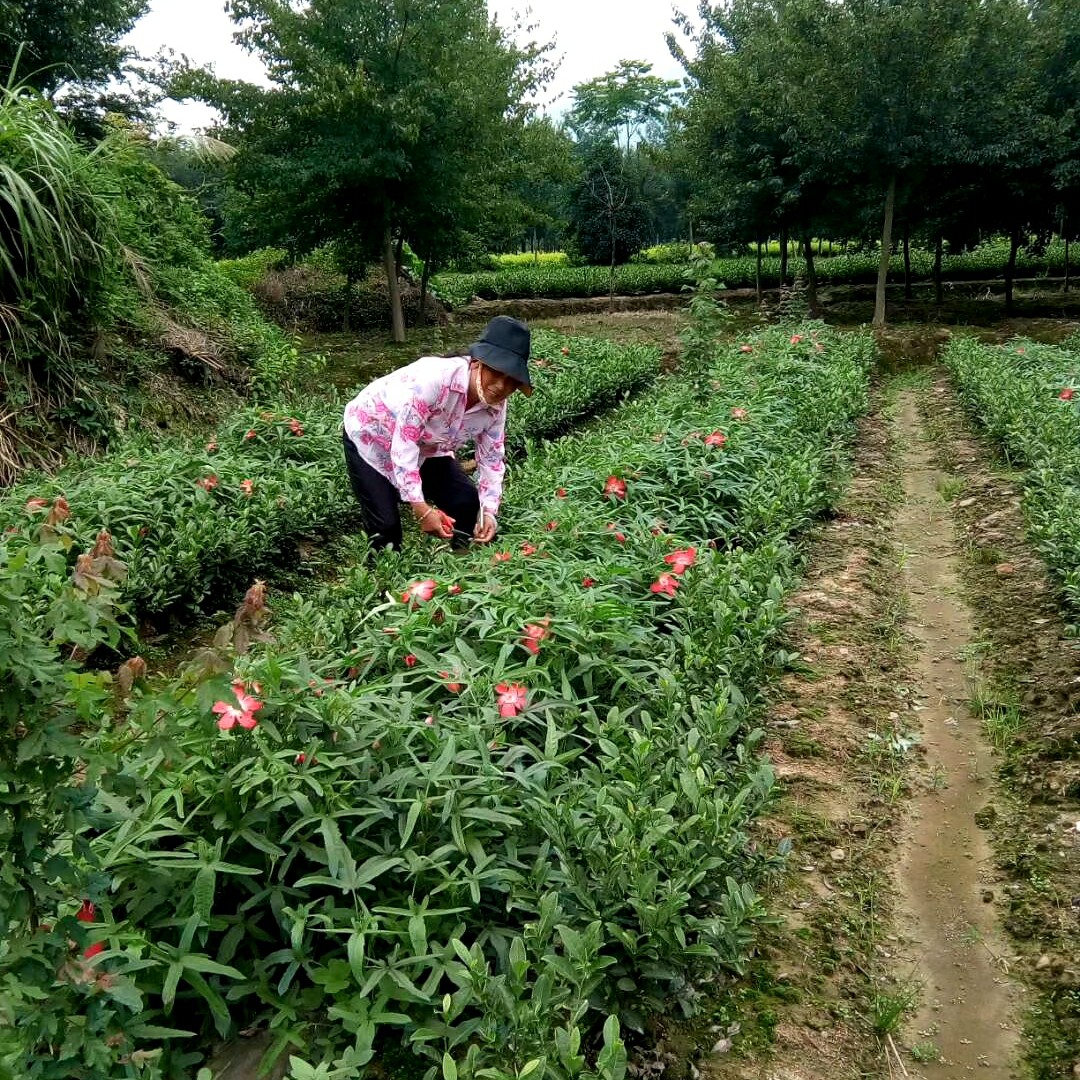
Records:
x=945, y=875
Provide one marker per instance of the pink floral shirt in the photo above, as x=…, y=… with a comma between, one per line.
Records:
x=418, y=412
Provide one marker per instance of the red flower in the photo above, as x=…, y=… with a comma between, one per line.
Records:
x=59, y=511
x=501, y=556
x=86, y=912
x=717, y=438
x=301, y=758
x=250, y=433
x=796, y=338
x=92, y=950
x=534, y=634
x=739, y=414
x=665, y=583
x=565, y=351
x=211, y=446
x=1067, y=394
x=527, y=549
x=561, y=493
x=453, y=590
x=746, y=348
x=453, y=687
x=34, y=506
x=208, y=483
x=616, y=487
x=296, y=427
x=587, y=583
x=681, y=560
x=512, y=698
x=551, y=526
x=246, y=486
x=618, y=535
x=419, y=592
x=410, y=660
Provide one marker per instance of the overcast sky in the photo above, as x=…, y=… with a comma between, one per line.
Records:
x=591, y=37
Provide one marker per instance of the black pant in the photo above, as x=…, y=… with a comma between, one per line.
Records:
x=444, y=483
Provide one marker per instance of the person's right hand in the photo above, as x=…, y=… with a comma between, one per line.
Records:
x=436, y=522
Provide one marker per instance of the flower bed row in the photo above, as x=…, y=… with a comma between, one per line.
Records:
x=191, y=523
x=472, y=803
x=555, y=281
x=1027, y=397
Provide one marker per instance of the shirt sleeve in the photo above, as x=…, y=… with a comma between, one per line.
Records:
x=490, y=464
x=405, y=444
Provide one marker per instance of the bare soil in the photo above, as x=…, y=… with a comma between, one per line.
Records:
x=946, y=878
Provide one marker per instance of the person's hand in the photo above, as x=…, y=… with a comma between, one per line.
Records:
x=434, y=521
x=486, y=527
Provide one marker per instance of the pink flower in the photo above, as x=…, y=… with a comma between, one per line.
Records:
x=246, y=486
x=211, y=446
x=231, y=715
x=796, y=338
x=1067, y=394
x=551, y=526
x=618, y=535
x=565, y=351
x=616, y=487
x=410, y=660
x=296, y=427
x=429, y=721
x=1021, y=351
x=681, y=560
x=453, y=590
x=512, y=698
x=528, y=549
x=207, y=483
x=534, y=634
x=419, y=592
x=250, y=434
x=561, y=493
x=739, y=414
x=587, y=582
x=501, y=556
x=717, y=438
x=35, y=506
x=665, y=583
x=746, y=348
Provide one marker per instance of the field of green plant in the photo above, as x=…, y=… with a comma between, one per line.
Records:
x=193, y=523
x=1027, y=397
x=557, y=281
x=492, y=811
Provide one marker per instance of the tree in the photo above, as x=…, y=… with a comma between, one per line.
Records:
x=387, y=119
x=69, y=50
x=619, y=102
x=608, y=219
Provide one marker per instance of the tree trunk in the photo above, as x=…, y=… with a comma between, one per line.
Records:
x=819, y=243
x=425, y=277
x=397, y=321
x=783, y=255
x=398, y=247
x=1066, y=262
x=757, y=274
x=346, y=326
x=611, y=269
x=811, y=277
x=886, y=252
x=1010, y=269
x=938, y=295
x=907, y=263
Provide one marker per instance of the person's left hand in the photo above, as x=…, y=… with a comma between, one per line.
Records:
x=486, y=527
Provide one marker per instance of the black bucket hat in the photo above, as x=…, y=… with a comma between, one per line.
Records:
x=504, y=346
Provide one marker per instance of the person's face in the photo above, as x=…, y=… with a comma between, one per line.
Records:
x=497, y=385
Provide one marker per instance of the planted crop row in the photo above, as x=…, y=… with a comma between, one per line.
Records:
x=1027, y=397
x=469, y=804
x=192, y=522
x=557, y=281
